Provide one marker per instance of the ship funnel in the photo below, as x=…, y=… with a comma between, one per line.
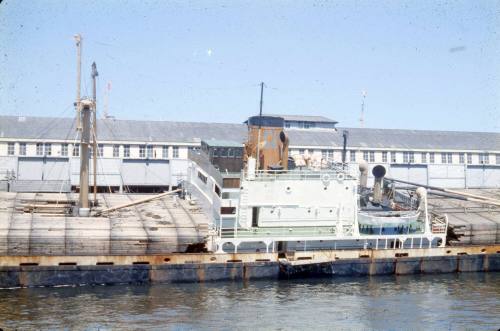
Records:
x=379, y=173
x=267, y=142
x=363, y=177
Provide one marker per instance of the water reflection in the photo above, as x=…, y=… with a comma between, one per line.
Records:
x=454, y=301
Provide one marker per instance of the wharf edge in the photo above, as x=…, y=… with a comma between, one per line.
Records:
x=33, y=271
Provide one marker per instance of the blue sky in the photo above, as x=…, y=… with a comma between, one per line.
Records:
x=423, y=64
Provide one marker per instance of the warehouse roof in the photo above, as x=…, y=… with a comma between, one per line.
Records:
x=193, y=132
x=305, y=118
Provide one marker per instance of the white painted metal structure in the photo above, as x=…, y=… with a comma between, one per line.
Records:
x=308, y=206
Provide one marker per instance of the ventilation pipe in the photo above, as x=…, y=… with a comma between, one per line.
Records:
x=379, y=173
x=363, y=176
x=422, y=198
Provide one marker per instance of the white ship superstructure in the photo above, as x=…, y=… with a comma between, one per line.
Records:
x=275, y=203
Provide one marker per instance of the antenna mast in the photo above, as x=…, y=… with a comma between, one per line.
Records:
x=78, y=40
x=260, y=123
x=106, y=100
x=362, y=117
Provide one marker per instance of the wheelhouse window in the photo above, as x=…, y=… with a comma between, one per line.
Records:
x=202, y=177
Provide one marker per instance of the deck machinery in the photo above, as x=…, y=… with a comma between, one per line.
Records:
x=277, y=202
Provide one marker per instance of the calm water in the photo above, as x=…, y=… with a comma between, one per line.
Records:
x=440, y=302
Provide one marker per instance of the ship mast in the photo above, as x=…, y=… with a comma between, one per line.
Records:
x=94, y=127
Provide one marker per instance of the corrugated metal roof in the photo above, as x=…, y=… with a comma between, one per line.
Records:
x=223, y=143
x=304, y=118
x=193, y=132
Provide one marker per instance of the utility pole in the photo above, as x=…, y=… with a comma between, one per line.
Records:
x=345, y=135
x=84, y=157
x=260, y=123
x=78, y=40
x=94, y=126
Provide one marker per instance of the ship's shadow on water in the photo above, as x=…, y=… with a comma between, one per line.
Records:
x=454, y=301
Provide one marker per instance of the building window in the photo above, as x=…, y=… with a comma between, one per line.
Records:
x=405, y=157
x=10, y=148
x=431, y=158
x=302, y=151
x=175, y=152
x=424, y=157
x=461, y=158
x=469, y=158
x=327, y=154
x=365, y=156
x=497, y=159
x=484, y=158
x=353, y=156
x=446, y=158
x=393, y=157
x=48, y=149
x=142, y=151
x=64, y=149
x=126, y=150
x=76, y=150
x=164, y=152
x=39, y=149
x=22, y=149
x=412, y=157
x=149, y=151
x=116, y=150
x=372, y=156
x=384, y=157
x=287, y=125
x=100, y=150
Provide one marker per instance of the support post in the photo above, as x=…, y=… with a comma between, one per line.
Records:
x=84, y=156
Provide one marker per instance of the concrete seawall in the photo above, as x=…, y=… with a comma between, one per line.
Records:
x=26, y=275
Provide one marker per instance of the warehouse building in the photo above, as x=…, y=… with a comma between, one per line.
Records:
x=42, y=153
